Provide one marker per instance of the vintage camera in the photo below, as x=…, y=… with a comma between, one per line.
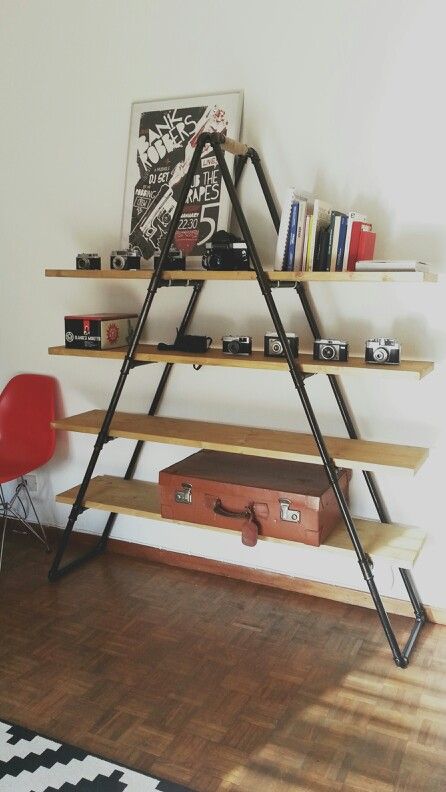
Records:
x=274, y=348
x=225, y=252
x=328, y=349
x=88, y=261
x=382, y=350
x=125, y=259
x=237, y=345
x=175, y=259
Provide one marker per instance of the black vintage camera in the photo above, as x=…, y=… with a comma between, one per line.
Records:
x=382, y=350
x=125, y=259
x=88, y=261
x=274, y=348
x=237, y=345
x=175, y=259
x=225, y=252
x=328, y=349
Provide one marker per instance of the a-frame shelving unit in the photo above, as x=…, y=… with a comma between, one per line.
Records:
x=400, y=545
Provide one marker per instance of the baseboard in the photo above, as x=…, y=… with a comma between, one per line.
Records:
x=274, y=579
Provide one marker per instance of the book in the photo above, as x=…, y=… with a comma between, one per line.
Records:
x=352, y=217
x=305, y=247
x=291, y=241
x=386, y=265
x=320, y=221
x=366, y=246
x=357, y=227
x=333, y=242
x=341, y=243
x=282, y=239
x=300, y=236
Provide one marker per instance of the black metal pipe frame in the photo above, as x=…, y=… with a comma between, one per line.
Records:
x=55, y=571
x=400, y=657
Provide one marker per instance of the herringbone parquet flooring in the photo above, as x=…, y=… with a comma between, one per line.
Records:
x=218, y=684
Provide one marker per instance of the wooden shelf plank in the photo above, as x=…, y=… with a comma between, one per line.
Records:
x=397, y=544
x=416, y=369
x=239, y=275
x=358, y=454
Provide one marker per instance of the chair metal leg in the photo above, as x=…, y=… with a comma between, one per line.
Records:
x=8, y=511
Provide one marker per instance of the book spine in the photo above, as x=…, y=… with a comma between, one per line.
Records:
x=357, y=227
x=291, y=246
x=352, y=216
x=301, y=218
x=341, y=243
x=283, y=231
x=308, y=232
x=366, y=246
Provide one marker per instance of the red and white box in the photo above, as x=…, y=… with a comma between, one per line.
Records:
x=99, y=331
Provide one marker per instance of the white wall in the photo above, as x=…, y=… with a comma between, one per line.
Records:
x=342, y=98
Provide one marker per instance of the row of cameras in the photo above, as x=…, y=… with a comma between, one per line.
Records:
x=220, y=254
x=377, y=350
x=128, y=259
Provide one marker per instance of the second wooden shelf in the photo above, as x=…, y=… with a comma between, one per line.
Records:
x=358, y=454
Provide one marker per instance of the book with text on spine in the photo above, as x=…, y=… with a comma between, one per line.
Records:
x=319, y=222
x=352, y=217
x=357, y=227
x=291, y=241
x=282, y=239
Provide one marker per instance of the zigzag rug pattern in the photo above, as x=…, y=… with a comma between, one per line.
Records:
x=30, y=762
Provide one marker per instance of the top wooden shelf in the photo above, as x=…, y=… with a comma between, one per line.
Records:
x=240, y=275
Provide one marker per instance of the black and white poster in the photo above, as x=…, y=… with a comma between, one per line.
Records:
x=163, y=136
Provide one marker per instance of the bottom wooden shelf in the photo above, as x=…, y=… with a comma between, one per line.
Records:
x=397, y=544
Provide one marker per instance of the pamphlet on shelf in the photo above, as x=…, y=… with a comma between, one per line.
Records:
x=387, y=265
x=351, y=218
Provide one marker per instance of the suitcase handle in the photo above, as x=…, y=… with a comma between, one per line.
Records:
x=250, y=530
x=246, y=514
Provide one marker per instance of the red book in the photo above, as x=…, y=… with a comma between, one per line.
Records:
x=357, y=227
x=366, y=246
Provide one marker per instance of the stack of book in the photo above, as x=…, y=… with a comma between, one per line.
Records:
x=315, y=237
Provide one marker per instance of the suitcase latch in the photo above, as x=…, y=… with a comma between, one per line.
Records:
x=287, y=514
x=184, y=495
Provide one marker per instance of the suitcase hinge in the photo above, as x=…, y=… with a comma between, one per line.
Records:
x=287, y=514
x=184, y=495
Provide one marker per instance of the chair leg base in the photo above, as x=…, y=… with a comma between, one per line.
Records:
x=8, y=512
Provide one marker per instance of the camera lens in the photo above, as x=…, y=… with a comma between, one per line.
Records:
x=276, y=347
x=118, y=262
x=234, y=347
x=328, y=352
x=380, y=355
x=83, y=263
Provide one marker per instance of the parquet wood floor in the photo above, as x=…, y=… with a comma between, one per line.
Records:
x=221, y=685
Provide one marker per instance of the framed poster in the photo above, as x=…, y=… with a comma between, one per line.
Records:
x=163, y=136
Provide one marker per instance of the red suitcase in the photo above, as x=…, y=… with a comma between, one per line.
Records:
x=254, y=495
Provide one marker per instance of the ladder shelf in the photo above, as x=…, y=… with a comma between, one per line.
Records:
x=365, y=539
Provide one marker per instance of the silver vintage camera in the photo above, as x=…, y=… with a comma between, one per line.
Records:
x=273, y=345
x=328, y=349
x=382, y=350
x=88, y=261
x=237, y=345
x=125, y=259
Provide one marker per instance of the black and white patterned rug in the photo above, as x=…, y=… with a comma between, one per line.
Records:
x=30, y=762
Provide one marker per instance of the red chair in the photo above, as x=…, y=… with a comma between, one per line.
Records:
x=27, y=441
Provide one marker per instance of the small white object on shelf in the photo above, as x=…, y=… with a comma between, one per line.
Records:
x=386, y=265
